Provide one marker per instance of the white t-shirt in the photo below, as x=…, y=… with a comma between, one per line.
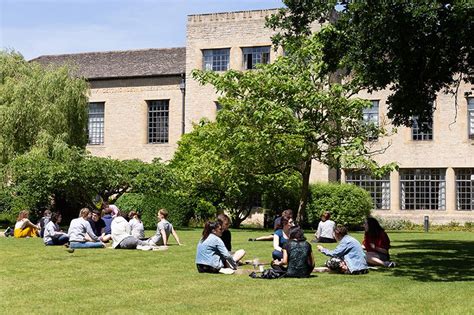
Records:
x=138, y=230
x=326, y=229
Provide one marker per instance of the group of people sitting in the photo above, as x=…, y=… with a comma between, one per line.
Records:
x=292, y=253
x=91, y=230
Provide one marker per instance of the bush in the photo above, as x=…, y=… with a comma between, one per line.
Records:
x=179, y=206
x=349, y=205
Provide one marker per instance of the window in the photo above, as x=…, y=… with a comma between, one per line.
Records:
x=379, y=189
x=95, y=126
x=470, y=116
x=423, y=189
x=421, y=131
x=255, y=55
x=216, y=59
x=158, y=121
x=371, y=117
x=465, y=189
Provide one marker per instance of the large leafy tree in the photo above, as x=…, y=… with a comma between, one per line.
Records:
x=414, y=48
x=284, y=115
x=36, y=102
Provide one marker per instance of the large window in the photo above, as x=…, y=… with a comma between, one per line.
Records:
x=465, y=189
x=422, y=131
x=423, y=189
x=379, y=188
x=255, y=55
x=95, y=126
x=470, y=116
x=216, y=59
x=158, y=121
x=371, y=117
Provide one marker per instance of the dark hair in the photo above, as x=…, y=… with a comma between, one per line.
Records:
x=373, y=227
x=208, y=228
x=55, y=216
x=297, y=233
x=223, y=218
x=326, y=215
x=133, y=213
x=96, y=212
x=340, y=230
x=288, y=213
x=284, y=221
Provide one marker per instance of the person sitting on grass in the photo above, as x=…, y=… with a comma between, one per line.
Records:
x=325, y=231
x=24, y=227
x=297, y=255
x=377, y=244
x=136, y=225
x=44, y=220
x=348, y=257
x=211, y=255
x=280, y=238
x=98, y=226
x=226, y=237
x=107, y=218
x=122, y=237
x=79, y=228
x=163, y=231
x=276, y=226
x=53, y=235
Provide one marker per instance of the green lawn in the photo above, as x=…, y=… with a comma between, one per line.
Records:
x=435, y=275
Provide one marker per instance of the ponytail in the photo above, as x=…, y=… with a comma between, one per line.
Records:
x=208, y=228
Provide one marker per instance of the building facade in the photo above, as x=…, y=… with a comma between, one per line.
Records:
x=139, y=111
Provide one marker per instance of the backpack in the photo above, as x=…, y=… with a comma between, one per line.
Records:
x=272, y=273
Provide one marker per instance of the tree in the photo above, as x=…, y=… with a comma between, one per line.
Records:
x=36, y=102
x=414, y=48
x=284, y=115
x=216, y=168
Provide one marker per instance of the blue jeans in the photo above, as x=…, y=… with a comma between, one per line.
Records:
x=85, y=245
x=61, y=240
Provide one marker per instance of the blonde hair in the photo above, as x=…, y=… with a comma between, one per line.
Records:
x=84, y=212
x=23, y=214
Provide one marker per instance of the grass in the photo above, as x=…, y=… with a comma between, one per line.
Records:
x=435, y=275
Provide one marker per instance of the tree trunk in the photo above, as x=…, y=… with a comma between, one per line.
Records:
x=300, y=217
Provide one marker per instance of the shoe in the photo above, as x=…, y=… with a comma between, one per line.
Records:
x=392, y=264
x=252, y=239
x=8, y=232
x=144, y=247
x=226, y=271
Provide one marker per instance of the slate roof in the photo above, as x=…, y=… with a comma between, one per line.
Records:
x=122, y=64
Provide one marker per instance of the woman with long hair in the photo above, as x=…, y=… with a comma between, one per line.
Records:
x=377, y=244
x=280, y=238
x=52, y=233
x=24, y=227
x=211, y=255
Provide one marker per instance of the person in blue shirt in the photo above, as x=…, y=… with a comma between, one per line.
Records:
x=280, y=238
x=348, y=257
x=211, y=255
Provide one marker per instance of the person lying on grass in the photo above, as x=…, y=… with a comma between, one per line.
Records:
x=24, y=227
x=163, y=231
x=226, y=236
x=52, y=233
x=211, y=254
x=297, y=255
x=79, y=228
x=377, y=244
x=348, y=257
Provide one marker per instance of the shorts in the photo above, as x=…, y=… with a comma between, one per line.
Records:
x=381, y=256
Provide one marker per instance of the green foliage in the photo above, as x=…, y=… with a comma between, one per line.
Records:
x=406, y=225
x=36, y=102
x=180, y=208
x=415, y=48
x=349, y=205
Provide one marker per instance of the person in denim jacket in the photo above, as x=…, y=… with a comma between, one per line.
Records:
x=348, y=257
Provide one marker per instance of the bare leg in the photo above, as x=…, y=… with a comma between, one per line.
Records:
x=373, y=260
x=238, y=255
x=265, y=238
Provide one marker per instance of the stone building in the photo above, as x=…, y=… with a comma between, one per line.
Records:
x=136, y=111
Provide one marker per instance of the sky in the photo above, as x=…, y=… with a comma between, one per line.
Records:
x=51, y=27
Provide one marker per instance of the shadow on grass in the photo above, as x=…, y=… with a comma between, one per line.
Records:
x=435, y=260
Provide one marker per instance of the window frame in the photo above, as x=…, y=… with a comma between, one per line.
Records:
x=470, y=118
x=417, y=134
x=255, y=55
x=95, y=129
x=424, y=180
x=215, y=59
x=464, y=189
x=154, y=135
x=379, y=189
x=368, y=114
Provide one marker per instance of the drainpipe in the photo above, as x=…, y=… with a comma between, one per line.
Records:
x=182, y=87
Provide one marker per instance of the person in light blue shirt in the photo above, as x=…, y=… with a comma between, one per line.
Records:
x=211, y=255
x=348, y=257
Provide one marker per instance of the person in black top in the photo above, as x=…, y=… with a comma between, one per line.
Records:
x=97, y=224
x=226, y=236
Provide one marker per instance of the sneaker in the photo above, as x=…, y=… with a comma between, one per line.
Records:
x=226, y=271
x=251, y=239
x=8, y=232
x=144, y=247
x=392, y=264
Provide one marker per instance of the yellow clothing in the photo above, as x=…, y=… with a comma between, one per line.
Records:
x=29, y=231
